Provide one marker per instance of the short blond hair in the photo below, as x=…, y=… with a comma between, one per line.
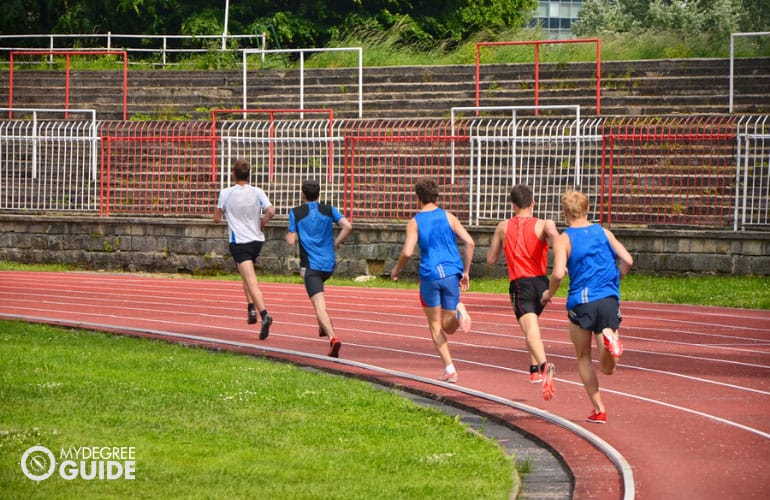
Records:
x=574, y=204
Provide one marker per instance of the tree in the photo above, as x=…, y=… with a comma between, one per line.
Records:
x=296, y=23
x=714, y=17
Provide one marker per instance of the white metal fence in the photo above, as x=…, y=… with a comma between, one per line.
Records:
x=359, y=83
x=753, y=173
x=283, y=154
x=160, y=47
x=49, y=164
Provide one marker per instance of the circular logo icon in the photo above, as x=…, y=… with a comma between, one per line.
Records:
x=38, y=463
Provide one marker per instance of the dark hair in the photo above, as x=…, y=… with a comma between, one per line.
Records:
x=311, y=189
x=427, y=190
x=241, y=170
x=521, y=195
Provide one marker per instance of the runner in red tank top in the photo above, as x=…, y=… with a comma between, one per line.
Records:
x=525, y=239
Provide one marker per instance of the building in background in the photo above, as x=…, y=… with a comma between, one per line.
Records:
x=557, y=16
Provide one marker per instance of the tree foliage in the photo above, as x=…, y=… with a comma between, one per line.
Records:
x=290, y=23
x=717, y=18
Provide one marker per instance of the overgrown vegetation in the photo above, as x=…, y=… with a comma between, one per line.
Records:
x=400, y=33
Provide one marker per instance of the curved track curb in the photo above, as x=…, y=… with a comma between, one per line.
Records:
x=424, y=386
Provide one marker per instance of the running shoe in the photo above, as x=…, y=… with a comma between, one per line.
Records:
x=449, y=378
x=535, y=378
x=252, y=316
x=464, y=318
x=547, y=388
x=597, y=418
x=265, y=330
x=613, y=345
x=334, y=347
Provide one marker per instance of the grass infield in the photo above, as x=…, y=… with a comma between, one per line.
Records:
x=205, y=424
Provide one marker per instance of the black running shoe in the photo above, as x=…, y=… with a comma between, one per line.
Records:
x=252, y=317
x=265, y=330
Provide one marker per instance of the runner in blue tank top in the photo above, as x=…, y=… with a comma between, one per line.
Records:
x=596, y=261
x=443, y=272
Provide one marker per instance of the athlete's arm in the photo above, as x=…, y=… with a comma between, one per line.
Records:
x=346, y=229
x=218, y=213
x=470, y=246
x=266, y=216
x=561, y=249
x=550, y=233
x=496, y=247
x=624, y=260
x=407, y=250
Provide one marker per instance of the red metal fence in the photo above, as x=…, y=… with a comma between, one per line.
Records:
x=670, y=172
x=157, y=168
x=692, y=172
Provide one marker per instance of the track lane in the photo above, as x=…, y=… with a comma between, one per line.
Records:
x=691, y=389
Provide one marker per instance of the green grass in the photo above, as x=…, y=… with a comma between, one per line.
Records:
x=213, y=425
x=751, y=292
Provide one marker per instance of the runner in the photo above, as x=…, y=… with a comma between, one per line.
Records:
x=247, y=210
x=525, y=240
x=596, y=261
x=443, y=273
x=312, y=224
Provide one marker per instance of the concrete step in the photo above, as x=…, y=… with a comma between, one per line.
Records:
x=690, y=86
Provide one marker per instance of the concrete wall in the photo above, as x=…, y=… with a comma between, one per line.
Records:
x=199, y=246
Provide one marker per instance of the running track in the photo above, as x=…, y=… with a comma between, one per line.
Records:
x=688, y=408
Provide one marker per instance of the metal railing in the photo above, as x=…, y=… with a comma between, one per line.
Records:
x=697, y=172
x=165, y=46
x=302, y=52
x=733, y=36
x=47, y=164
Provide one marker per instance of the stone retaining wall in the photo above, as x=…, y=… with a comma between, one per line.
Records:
x=199, y=246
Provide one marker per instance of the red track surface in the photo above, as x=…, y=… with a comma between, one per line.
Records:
x=688, y=408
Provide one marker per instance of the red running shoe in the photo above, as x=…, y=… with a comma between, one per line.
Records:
x=597, y=418
x=334, y=347
x=535, y=378
x=547, y=388
x=613, y=345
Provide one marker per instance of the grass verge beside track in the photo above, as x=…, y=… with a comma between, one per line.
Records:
x=208, y=424
x=749, y=292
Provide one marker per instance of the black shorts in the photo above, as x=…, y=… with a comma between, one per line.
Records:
x=597, y=315
x=314, y=280
x=526, y=293
x=242, y=252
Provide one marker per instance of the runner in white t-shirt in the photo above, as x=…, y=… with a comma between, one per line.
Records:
x=247, y=210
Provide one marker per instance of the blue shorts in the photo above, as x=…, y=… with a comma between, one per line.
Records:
x=444, y=292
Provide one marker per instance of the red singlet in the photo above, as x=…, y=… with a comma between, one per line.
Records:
x=525, y=253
